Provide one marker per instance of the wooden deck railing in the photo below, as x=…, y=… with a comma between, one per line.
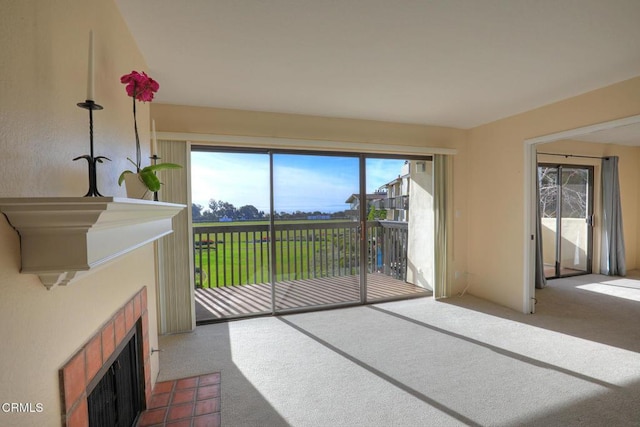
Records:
x=232, y=255
x=388, y=240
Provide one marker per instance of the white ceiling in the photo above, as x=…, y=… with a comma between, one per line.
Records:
x=457, y=63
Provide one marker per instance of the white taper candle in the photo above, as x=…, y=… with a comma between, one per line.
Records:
x=154, y=139
x=90, y=82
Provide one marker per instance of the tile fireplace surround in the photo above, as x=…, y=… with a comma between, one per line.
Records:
x=83, y=366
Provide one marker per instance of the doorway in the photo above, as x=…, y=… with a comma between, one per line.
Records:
x=566, y=209
x=612, y=132
x=277, y=231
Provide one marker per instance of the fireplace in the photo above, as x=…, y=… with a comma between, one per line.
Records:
x=116, y=397
x=116, y=359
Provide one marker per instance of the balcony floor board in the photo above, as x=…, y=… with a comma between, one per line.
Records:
x=239, y=301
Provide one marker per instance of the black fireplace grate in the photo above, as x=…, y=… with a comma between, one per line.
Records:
x=116, y=400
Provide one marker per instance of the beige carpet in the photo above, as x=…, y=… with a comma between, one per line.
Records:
x=425, y=363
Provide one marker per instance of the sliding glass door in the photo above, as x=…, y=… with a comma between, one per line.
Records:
x=566, y=206
x=400, y=239
x=231, y=233
x=277, y=231
x=316, y=244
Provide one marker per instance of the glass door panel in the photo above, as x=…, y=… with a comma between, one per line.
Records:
x=316, y=240
x=574, y=244
x=566, y=205
x=230, y=195
x=548, y=181
x=399, y=239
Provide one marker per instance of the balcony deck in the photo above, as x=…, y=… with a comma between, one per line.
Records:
x=239, y=301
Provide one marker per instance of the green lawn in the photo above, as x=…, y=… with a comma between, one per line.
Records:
x=238, y=258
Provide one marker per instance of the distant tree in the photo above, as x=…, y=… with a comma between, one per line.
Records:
x=283, y=215
x=376, y=214
x=226, y=209
x=249, y=212
x=196, y=212
x=372, y=214
x=207, y=215
x=219, y=209
x=212, y=214
x=574, y=197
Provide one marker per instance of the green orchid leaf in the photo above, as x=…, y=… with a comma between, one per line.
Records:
x=121, y=178
x=150, y=179
x=161, y=166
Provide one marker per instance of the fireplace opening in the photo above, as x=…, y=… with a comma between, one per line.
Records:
x=117, y=394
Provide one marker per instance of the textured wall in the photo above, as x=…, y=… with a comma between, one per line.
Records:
x=43, y=75
x=495, y=183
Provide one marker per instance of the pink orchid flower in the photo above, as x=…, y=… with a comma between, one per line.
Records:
x=140, y=85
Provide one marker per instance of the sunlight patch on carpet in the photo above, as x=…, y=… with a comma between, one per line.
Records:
x=620, y=288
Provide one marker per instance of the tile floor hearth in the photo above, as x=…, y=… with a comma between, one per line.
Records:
x=186, y=402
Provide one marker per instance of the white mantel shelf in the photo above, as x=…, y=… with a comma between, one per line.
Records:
x=61, y=237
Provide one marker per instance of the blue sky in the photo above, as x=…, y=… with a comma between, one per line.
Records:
x=301, y=182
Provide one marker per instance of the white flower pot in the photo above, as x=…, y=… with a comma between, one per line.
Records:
x=136, y=188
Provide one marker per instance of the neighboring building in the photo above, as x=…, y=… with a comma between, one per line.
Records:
x=373, y=199
x=318, y=217
x=396, y=202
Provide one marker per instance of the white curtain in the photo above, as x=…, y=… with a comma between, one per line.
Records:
x=441, y=211
x=612, y=252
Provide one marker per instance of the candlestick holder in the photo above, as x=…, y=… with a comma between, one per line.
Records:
x=154, y=161
x=91, y=159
